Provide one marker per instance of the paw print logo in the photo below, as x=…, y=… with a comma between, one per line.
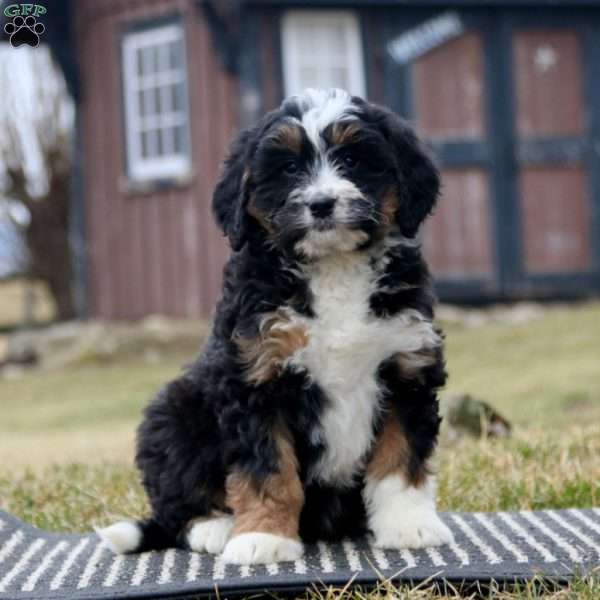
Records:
x=24, y=31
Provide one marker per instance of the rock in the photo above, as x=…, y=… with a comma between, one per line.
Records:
x=464, y=414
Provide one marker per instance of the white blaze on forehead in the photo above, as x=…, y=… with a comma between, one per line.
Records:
x=321, y=108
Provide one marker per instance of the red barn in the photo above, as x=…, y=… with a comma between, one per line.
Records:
x=506, y=92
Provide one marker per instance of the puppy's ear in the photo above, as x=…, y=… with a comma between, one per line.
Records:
x=418, y=178
x=231, y=194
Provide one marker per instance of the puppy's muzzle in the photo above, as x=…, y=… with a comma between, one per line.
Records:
x=322, y=207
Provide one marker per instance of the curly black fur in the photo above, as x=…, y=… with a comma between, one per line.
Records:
x=211, y=418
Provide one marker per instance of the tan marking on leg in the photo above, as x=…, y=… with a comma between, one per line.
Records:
x=391, y=454
x=263, y=356
x=273, y=505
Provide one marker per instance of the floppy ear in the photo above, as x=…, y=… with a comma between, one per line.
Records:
x=418, y=177
x=231, y=194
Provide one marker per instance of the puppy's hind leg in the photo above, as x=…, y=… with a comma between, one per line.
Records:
x=266, y=510
x=180, y=460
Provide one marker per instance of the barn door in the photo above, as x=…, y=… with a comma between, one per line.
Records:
x=506, y=101
x=556, y=146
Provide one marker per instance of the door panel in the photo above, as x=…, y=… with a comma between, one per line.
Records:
x=555, y=219
x=456, y=239
x=548, y=86
x=448, y=90
x=549, y=123
x=448, y=101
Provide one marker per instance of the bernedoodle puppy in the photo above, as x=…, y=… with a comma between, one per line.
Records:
x=312, y=411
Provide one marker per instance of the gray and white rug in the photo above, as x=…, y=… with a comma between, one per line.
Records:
x=504, y=547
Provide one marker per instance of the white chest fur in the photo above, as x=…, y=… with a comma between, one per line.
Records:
x=346, y=345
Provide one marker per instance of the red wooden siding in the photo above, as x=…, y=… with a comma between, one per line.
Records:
x=548, y=83
x=555, y=219
x=455, y=239
x=150, y=251
x=448, y=84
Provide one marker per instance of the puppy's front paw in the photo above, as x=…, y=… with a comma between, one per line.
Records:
x=258, y=548
x=413, y=529
x=210, y=535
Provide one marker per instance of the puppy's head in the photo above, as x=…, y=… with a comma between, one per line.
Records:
x=324, y=173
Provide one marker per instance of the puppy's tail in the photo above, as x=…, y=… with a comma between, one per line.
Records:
x=127, y=537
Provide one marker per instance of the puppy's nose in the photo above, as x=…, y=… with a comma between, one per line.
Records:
x=322, y=207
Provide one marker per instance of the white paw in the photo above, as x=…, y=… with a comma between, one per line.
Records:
x=122, y=537
x=259, y=548
x=414, y=529
x=210, y=535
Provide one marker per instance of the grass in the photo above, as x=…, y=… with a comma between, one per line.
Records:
x=66, y=472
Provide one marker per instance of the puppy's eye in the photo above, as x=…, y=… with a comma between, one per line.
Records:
x=350, y=161
x=290, y=167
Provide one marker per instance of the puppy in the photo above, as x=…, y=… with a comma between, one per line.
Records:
x=312, y=411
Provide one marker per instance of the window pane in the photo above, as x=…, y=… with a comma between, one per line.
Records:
x=139, y=61
x=144, y=144
x=159, y=142
x=141, y=98
x=175, y=55
x=177, y=92
x=165, y=99
x=308, y=77
x=148, y=102
x=149, y=60
x=337, y=77
x=156, y=103
x=336, y=38
x=163, y=57
x=167, y=140
x=152, y=143
x=179, y=141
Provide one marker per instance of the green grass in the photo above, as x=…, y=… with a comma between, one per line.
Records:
x=546, y=371
x=66, y=436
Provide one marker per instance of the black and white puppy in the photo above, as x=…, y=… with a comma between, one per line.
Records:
x=312, y=411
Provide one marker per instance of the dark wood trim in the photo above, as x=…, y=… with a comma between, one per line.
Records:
x=591, y=79
x=250, y=72
x=77, y=230
x=464, y=153
x=437, y=4
x=571, y=150
x=499, y=109
x=278, y=49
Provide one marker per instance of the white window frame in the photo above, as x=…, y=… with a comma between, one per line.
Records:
x=158, y=167
x=291, y=60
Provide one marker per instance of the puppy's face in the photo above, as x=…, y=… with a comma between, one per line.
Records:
x=325, y=173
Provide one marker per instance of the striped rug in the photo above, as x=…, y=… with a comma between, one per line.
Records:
x=501, y=546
